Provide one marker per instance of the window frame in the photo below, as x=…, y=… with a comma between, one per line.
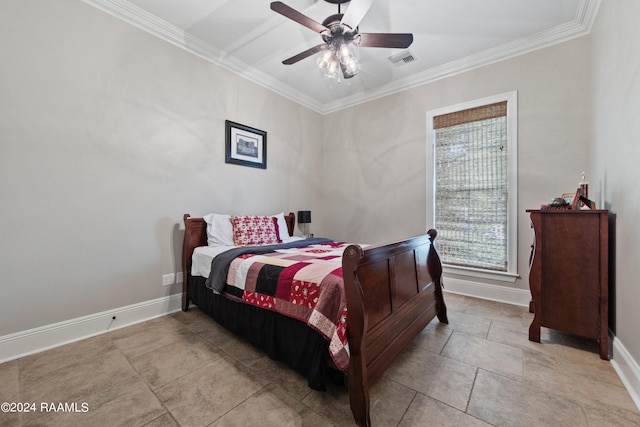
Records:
x=512, y=184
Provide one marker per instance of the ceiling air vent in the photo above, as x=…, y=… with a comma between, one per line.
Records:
x=402, y=58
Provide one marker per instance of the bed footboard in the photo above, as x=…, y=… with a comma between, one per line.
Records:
x=393, y=291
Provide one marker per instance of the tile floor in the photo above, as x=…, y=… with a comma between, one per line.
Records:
x=185, y=370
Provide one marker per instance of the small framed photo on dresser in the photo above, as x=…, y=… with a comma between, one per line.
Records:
x=568, y=197
x=245, y=145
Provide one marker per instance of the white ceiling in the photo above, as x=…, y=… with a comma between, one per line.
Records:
x=450, y=36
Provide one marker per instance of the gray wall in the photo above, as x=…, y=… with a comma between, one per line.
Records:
x=383, y=142
x=614, y=150
x=108, y=136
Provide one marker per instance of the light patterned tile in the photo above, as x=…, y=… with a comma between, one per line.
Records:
x=591, y=384
x=271, y=407
x=208, y=393
x=518, y=336
x=436, y=376
x=496, y=311
x=74, y=384
x=189, y=370
x=332, y=404
x=499, y=400
x=129, y=402
x=166, y=364
x=190, y=317
x=278, y=373
x=468, y=324
x=148, y=336
x=456, y=302
x=425, y=411
x=496, y=357
x=9, y=375
x=241, y=350
x=605, y=415
x=389, y=401
x=164, y=420
x=66, y=356
x=433, y=337
x=10, y=392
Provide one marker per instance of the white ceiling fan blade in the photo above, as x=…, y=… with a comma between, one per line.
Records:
x=356, y=11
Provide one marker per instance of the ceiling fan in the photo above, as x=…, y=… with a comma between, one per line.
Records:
x=340, y=33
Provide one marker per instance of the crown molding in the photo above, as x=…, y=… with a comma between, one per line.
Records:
x=579, y=27
x=122, y=9
x=149, y=23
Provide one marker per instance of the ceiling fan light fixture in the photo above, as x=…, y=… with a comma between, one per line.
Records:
x=329, y=63
x=339, y=61
x=345, y=53
x=325, y=58
x=340, y=34
x=348, y=60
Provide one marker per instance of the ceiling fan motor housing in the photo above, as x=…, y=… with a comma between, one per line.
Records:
x=339, y=33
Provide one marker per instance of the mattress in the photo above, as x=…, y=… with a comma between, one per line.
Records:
x=203, y=255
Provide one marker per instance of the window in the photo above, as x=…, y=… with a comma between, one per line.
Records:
x=473, y=185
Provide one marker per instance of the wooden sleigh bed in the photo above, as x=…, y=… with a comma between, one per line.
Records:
x=392, y=292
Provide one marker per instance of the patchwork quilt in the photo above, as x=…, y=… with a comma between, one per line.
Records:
x=304, y=283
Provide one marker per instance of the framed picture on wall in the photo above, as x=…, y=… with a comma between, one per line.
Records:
x=245, y=145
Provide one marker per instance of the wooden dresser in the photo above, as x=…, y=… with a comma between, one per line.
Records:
x=568, y=276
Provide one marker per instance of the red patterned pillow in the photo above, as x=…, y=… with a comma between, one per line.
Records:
x=251, y=230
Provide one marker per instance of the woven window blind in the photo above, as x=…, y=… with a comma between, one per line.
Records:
x=471, y=186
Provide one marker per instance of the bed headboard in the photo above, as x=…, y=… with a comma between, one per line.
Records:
x=195, y=234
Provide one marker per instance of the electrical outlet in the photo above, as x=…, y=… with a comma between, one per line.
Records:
x=168, y=279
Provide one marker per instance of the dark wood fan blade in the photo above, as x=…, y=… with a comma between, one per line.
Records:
x=294, y=15
x=355, y=12
x=304, y=54
x=393, y=40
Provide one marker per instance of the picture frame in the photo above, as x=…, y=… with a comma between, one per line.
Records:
x=568, y=197
x=245, y=146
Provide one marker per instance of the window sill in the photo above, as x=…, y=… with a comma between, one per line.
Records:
x=482, y=274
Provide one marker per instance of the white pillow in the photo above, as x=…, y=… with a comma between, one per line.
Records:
x=283, y=230
x=219, y=230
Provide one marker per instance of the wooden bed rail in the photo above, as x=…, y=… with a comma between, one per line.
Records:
x=393, y=291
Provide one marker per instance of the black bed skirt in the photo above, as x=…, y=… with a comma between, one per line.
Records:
x=282, y=338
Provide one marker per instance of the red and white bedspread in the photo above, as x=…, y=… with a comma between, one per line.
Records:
x=304, y=283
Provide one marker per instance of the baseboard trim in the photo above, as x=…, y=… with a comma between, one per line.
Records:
x=627, y=369
x=45, y=337
x=487, y=291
